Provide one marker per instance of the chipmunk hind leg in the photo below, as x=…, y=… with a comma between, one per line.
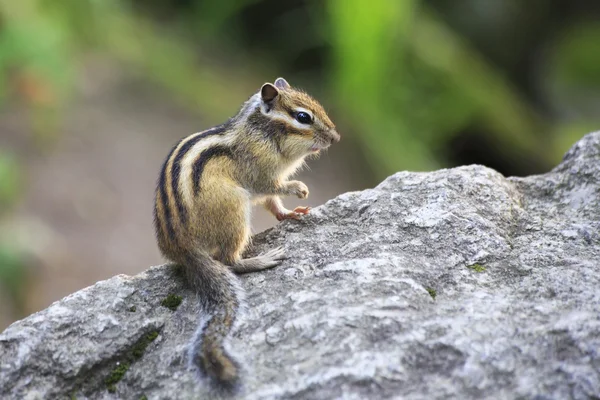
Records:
x=231, y=242
x=270, y=259
x=230, y=254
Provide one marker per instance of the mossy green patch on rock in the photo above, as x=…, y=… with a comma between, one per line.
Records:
x=140, y=347
x=432, y=292
x=143, y=397
x=135, y=353
x=476, y=267
x=172, y=301
x=133, y=308
x=115, y=376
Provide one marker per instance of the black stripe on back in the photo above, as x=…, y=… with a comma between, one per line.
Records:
x=157, y=224
x=204, y=158
x=176, y=167
x=164, y=199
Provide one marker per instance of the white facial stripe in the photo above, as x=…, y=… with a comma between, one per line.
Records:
x=284, y=117
x=290, y=121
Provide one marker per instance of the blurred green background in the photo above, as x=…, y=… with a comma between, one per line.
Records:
x=94, y=92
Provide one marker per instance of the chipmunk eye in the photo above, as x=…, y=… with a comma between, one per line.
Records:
x=303, y=117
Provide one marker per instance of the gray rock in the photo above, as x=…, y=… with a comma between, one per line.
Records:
x=458, y=283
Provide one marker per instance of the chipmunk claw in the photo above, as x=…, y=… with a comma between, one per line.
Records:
x=296, y=214
x=302, y=210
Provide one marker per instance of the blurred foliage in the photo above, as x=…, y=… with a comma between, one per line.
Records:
x=10, y=182
x=13, y=275
x=12, y=265
x=403, y=84
x=370, y=75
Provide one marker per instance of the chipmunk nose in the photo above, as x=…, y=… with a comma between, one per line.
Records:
x=334, y=136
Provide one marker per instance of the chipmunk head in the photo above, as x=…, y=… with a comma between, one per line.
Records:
x=296, y=122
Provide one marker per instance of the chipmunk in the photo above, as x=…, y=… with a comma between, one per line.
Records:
x=203, y=202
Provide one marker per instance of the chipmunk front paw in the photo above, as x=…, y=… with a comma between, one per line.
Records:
x=298, y=188
x=296, y=214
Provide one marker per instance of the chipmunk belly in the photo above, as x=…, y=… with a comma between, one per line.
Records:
x=291, y=168
x=221, y=210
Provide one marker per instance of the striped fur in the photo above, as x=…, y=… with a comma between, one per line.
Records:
x=203, y=203
x=192, y=143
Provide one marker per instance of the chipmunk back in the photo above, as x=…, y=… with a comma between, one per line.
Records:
x=203, y=201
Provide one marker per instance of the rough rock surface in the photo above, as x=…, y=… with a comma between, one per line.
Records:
x=458, y=283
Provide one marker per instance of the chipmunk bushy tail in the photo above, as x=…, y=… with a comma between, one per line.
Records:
x=221, y=299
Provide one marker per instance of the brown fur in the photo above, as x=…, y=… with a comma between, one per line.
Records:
x=204, y=197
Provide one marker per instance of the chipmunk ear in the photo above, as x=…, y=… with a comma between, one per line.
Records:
x=281, y=83
x=268, y=92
